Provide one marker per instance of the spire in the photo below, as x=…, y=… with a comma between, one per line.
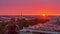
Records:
x=21, y=13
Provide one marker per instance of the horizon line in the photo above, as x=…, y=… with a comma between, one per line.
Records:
x=33, y=15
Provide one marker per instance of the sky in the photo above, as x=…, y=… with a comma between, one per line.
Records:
x=29, y=7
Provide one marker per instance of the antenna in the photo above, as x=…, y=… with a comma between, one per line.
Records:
x=21, y=13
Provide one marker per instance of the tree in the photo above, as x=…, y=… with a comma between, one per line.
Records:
x=24, y=23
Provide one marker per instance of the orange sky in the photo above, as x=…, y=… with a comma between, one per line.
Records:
x=29, y=7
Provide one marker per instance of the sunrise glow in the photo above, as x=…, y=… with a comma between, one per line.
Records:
x=30, y=7
x=43, y=14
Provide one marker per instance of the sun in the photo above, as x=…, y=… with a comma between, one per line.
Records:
x=43, y=14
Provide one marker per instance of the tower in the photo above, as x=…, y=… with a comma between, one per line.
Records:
x=21, y=13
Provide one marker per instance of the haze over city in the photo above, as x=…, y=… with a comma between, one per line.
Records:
x=29, y=16
x=29, y=7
